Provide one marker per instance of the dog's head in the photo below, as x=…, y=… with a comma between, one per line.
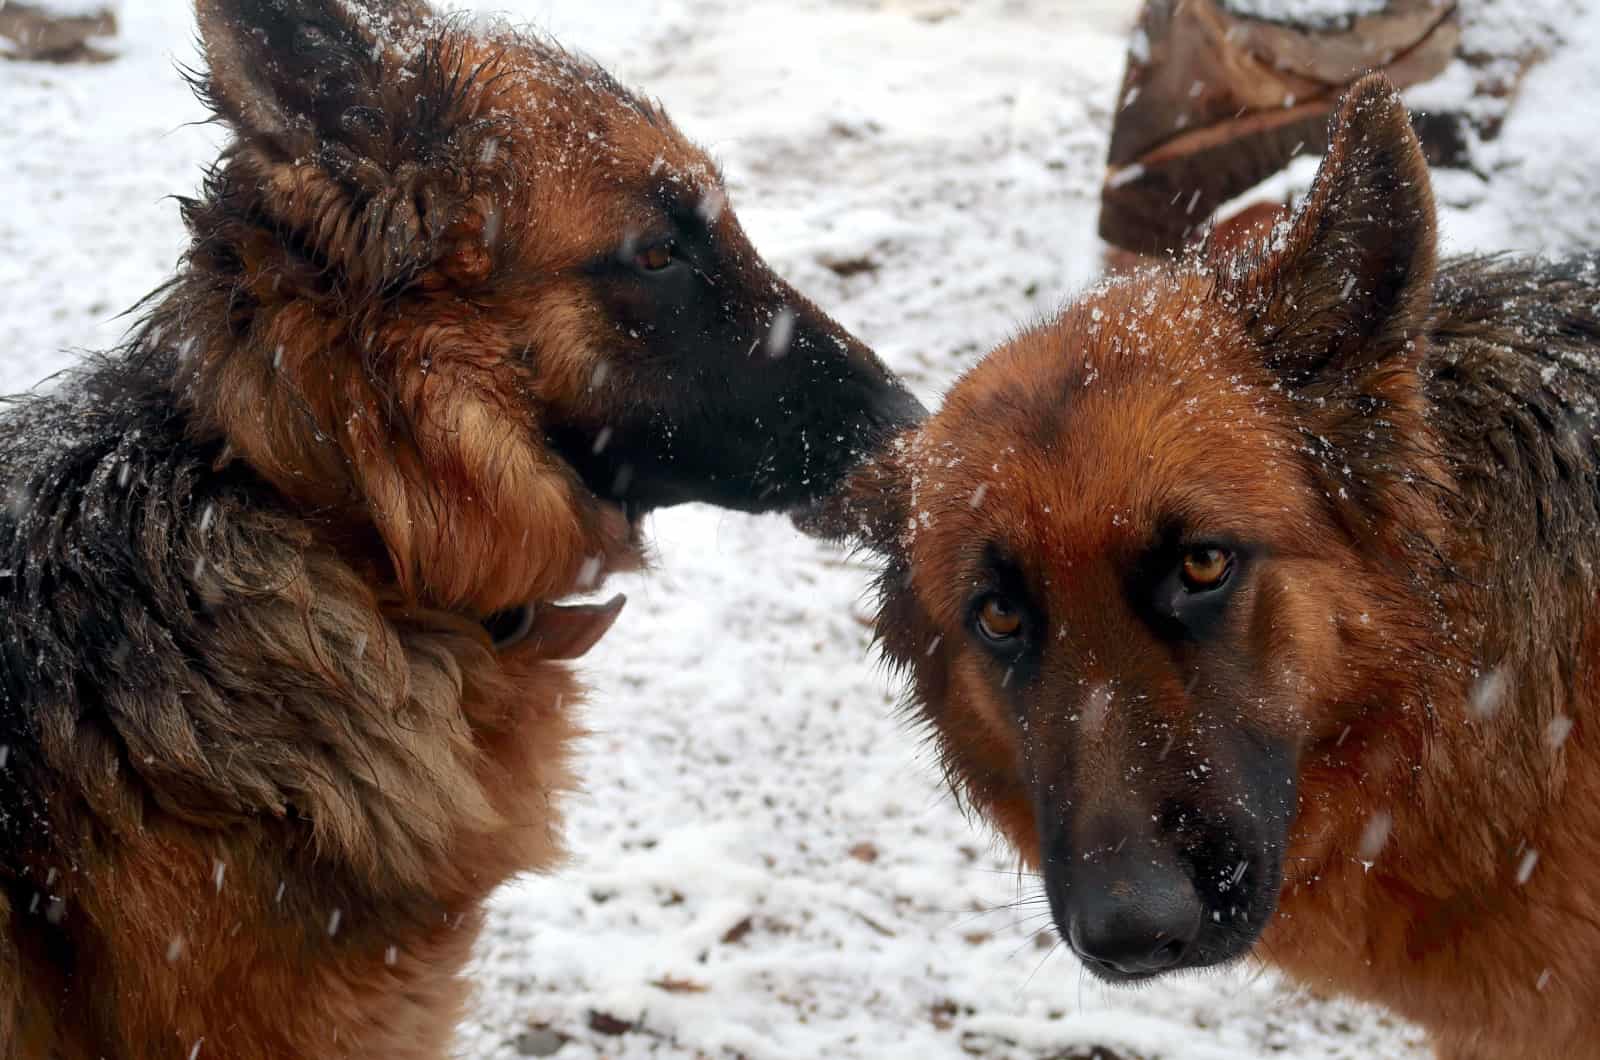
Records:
x=1151, y=557
x=461, y=286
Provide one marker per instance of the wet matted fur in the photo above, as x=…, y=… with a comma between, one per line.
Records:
x=1253, y=598
x=283, y=694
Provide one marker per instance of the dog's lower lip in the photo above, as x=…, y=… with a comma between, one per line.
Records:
x=806, y=517
x=1118, y=977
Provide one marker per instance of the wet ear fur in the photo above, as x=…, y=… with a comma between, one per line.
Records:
x=355, y=123
x=1347, y=286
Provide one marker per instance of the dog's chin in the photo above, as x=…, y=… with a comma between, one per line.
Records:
x=1199, y=961
x=1214, y=950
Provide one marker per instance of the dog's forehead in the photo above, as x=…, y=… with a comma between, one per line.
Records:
x=1138, y=405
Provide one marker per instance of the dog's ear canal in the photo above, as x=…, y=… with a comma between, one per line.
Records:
x=1347, y=287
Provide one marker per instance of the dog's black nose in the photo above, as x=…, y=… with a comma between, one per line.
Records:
x=1135, y=926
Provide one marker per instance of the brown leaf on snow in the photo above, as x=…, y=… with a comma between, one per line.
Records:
x=738, y=931
x=673, y=985
x=864, y=852
x=605, y=1023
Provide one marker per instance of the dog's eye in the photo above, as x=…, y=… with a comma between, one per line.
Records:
x=1206, y=569
x=998, y=620
x=654, y=259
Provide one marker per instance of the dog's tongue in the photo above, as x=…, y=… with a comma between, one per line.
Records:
x=568, y=631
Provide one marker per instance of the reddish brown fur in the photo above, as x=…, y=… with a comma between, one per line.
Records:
x=1390, y=445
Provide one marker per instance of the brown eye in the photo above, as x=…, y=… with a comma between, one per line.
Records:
x=1205, y=569
x=998, y=620
x=653, y=259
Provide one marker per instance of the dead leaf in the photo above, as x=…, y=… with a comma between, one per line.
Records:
x=673, y=985
x=738, y=931
x=605, y=1023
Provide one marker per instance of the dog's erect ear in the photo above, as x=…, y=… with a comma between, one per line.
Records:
x=291, y=73
x=355, y=120
x=1347, y=287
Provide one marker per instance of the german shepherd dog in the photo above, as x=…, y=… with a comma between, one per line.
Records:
x=283, y=694
x=1253, y=598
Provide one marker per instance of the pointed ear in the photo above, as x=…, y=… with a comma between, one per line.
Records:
x=1348, y=285
x=353, y=119
x=292, y=72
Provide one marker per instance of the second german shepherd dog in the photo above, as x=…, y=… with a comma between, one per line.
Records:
x=1256, y=599
x=282, y=696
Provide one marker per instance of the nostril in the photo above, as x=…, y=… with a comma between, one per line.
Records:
x=1167, y=954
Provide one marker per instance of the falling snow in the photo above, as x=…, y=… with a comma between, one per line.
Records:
x=744, y=744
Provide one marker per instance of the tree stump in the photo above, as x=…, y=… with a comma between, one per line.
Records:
x=1216, y=98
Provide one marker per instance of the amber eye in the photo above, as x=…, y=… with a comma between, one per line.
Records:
x=998, y=620
x=653, y=259
x=1205, y=569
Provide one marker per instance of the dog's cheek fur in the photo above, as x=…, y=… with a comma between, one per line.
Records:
x=952, y=700
x=445, y=460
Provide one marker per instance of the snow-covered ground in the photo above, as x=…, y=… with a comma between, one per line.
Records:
x=764, y=863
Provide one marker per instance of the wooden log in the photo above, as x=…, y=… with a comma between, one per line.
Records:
x=1213, y=102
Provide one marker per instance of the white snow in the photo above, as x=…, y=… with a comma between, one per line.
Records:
x=765, y=863
x=1305, y=12
x=74, y=8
